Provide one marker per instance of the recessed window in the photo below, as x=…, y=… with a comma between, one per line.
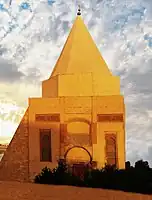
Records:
x=45, y=145
x=111, y=149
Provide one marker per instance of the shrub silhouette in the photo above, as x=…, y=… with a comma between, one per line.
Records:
x=127, y=165
x=131, y=179
x=140, y=164
x=58, y=176
x=45, y=177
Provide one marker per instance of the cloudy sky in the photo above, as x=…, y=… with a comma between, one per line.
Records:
x=30, y=43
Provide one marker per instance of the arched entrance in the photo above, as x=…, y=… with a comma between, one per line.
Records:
x=77, y=154
x=78, y=158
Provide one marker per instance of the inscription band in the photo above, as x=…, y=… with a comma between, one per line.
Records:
x=48, y=117
x=110, y=117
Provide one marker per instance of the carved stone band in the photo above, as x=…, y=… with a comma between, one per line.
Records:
x=110, y=117
x=48, y=117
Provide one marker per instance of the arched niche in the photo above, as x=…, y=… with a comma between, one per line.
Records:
x=78, y=127
x=78, y=132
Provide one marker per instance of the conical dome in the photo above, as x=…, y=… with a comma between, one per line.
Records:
x=80, y=54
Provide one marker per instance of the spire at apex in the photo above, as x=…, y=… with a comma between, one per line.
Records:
x=79, y=11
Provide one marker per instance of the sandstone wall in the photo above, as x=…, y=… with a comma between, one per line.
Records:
x=14, y=164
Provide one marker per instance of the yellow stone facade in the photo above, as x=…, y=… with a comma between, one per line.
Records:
x=81, y=104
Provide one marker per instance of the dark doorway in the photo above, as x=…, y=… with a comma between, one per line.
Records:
x=78, y=169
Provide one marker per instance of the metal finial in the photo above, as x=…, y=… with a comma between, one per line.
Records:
x=79, y=11
x=10, y=2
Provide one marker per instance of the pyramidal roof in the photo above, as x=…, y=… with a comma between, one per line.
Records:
x=80, y=54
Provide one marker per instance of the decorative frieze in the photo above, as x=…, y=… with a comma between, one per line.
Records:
x=77, y=105
x=77, y=109
x=77, y=140
x=80, y=139
x=48, y=117
x=110, y=117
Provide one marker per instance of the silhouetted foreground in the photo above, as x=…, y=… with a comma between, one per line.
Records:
x=132, y=179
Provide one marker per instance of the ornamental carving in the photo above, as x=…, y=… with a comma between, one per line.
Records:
x=78, y=109
x=110, y=117
x=48, y=117
x=77, y=139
